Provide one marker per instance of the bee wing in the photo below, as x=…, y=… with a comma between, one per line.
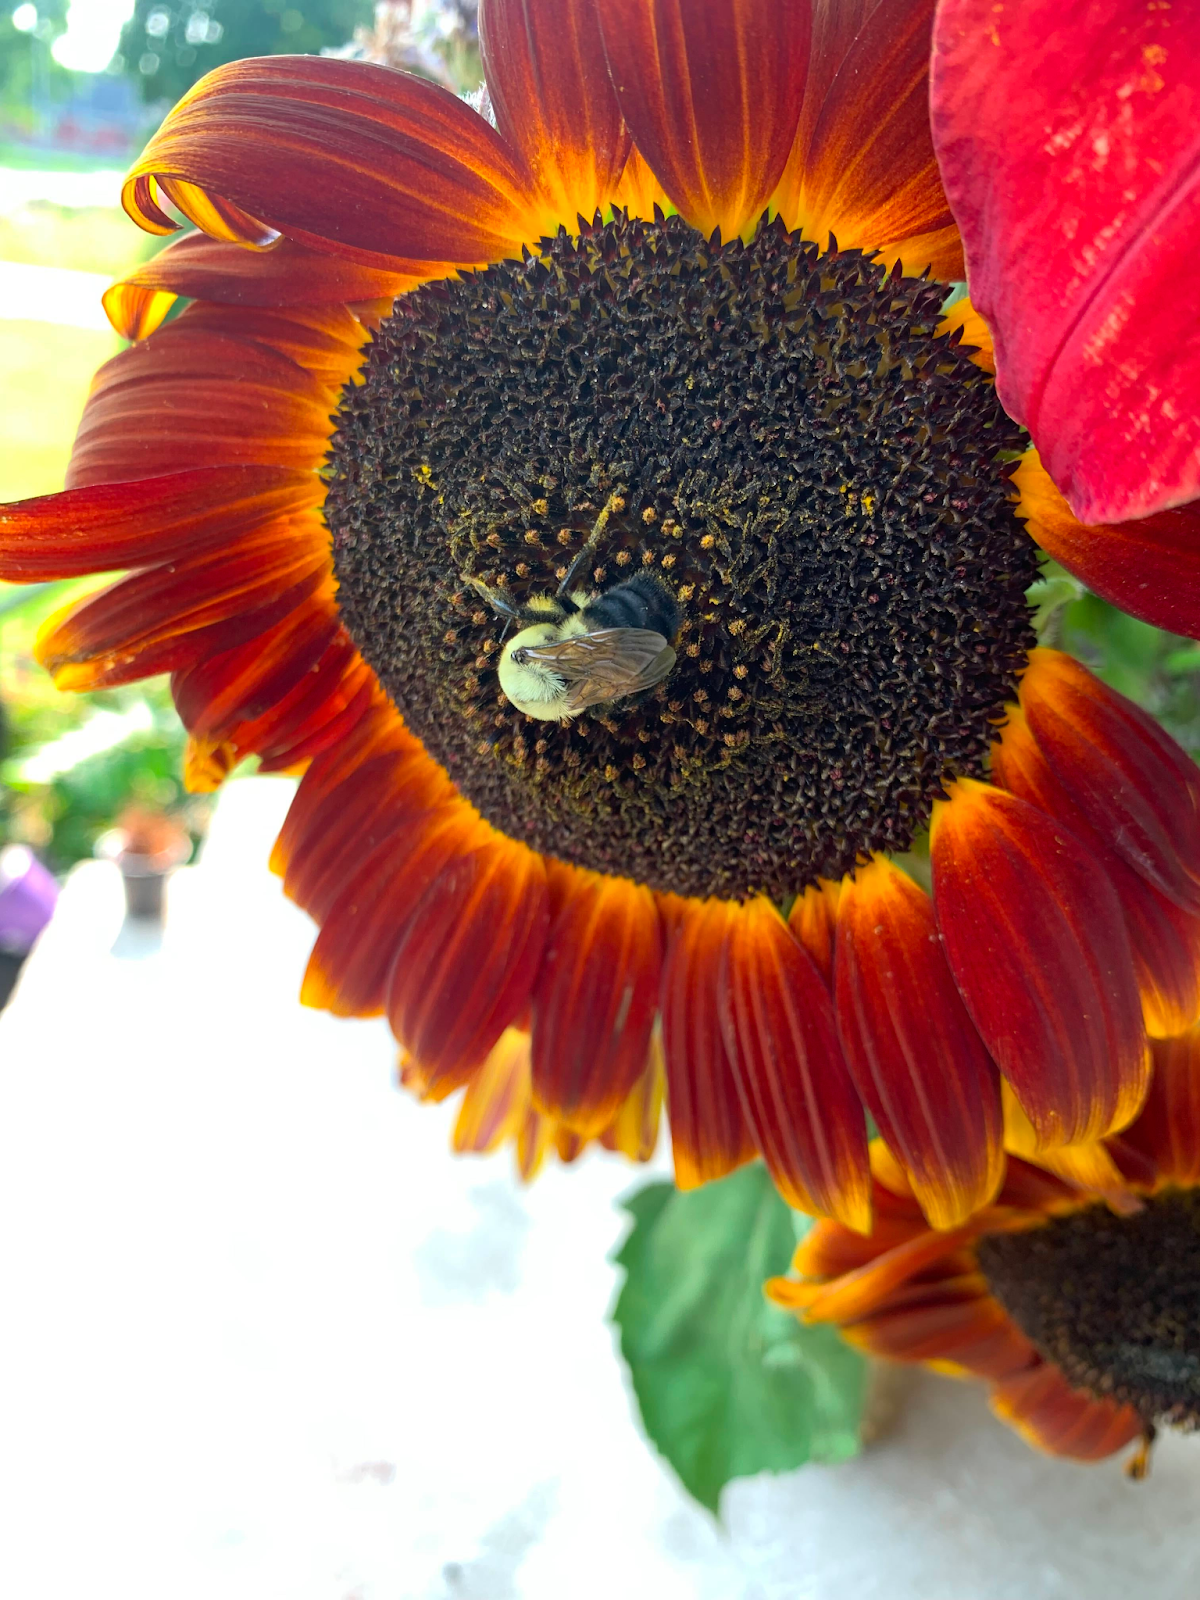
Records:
x=605, y=665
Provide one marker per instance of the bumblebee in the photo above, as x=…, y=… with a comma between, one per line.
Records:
x=579, y=650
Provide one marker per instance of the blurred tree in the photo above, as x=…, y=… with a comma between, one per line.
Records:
x=27, y=69
x=167, y=44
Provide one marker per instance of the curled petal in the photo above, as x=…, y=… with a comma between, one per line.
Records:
x=594, y=1003
x=1130, y=779
x=362, y=931
x=708, y=1129
x=554, y=101
x=169, y=617
x=200, y=268
x=813, y=920
x=1068, y=133
x=356, y=160
x=858, y=1294
x=189, y=397
x=777, y=1019
x=1034, y=935
x=712, y=94
x=1150, y=567
x=1041, y=1405
x=465, y=966
x=108, y=527
x=916, y=1059
x=862, y=166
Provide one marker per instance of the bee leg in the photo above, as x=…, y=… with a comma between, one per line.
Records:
x=615, y=502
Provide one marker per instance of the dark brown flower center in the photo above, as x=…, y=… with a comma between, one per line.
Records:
x=1113, y=1301
x=780, y=436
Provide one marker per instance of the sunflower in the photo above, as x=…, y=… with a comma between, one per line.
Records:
x=1073, y=1295
x=678, y=314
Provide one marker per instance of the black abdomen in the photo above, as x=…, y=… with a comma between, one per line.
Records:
x=640, y=602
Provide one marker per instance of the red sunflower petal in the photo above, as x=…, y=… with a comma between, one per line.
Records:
x=553, y=99
x=169, y=616
x=465, y=967
x=708, y=1129
x=351, y=962
x=349, y=158
x=497, y=1098
x=105, y=528
x=1168, y=1128
x=1044, y=1409
x=1125, y=773
x=777, y=1019
x=916, y=1059
x=325, y=341
x=1150, y=568
x=712, y=94
x=351, y=802
x=1035, y=939
x=595, y=999
x=200, y=268
x=633, y=1132
x=1069, y=138
x=189, y=397
x=813, y=920
x=863, y=165
x=1164, y=936
x=974, y=1334
x=854, y=1295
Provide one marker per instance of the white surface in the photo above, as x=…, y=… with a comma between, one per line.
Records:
x=31, y=293
x=263, y=1339
x=99, y=187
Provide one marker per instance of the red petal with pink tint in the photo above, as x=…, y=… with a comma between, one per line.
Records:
x=712, y=95
x=357, y=160
x=1041, y=1405
x=916, y=1059
x=777, y=1019
x=708, y=1129
x=467, y=962
x=1150, y=568
x=188, y=397
x=108, y=527
x=200, y=268
x=1037, y=944
x=594, y=1004
x=553, y=99
x=1068, y=133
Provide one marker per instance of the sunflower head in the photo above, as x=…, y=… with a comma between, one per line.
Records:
x=676, y=317
x=1075, y=1295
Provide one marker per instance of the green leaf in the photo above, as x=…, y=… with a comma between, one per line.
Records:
x=728, y=1384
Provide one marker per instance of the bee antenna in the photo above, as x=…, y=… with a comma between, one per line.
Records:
x=497, y=599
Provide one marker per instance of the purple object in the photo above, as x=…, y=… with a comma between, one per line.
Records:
x=28, y=893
